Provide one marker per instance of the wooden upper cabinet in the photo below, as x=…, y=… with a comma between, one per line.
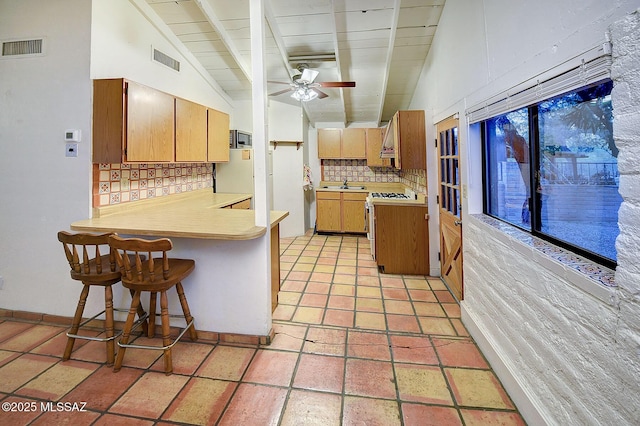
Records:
x=108, y=130
x=374, y=145
x=150, y=125
x=218, y=136
x=329, y=143
x=191, y=131
x=410, y=140
x=354, y=143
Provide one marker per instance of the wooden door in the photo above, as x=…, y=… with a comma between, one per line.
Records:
x=191, y=131
x=450, y=206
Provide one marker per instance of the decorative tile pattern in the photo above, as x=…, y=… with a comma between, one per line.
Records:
x=598, y=273
x=122, y=183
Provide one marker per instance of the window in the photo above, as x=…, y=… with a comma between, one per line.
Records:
x=563, y=149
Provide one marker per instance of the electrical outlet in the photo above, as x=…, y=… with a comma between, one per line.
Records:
x=71, y=150
x=124, y=184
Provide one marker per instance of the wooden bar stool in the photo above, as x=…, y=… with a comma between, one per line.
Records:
x=156, y=275
x=93, y=269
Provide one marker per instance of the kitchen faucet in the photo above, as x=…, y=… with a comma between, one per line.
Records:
x=344, y=184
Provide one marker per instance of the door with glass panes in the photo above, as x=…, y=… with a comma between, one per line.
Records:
x=450, y=205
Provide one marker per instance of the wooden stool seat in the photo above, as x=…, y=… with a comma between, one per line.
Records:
x=155, y=275
x=89, y=266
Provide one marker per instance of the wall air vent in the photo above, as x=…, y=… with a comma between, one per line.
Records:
x=166, y=60
x=20, y=48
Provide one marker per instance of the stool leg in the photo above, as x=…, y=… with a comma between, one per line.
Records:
x=141, y=313
x=108, y=324
x=75, y=324
x=187, y=313
x=166, y=332
x=152, y=315
x=128, y=325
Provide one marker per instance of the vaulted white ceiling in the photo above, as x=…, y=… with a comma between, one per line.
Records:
x=379, y=44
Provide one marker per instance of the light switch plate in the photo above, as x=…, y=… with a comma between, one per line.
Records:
x=71, y=150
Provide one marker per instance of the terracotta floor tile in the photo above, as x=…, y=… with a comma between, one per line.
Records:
x=345, y=279
x=254, y=405
x=75, y=418
x=460, y=328
x=289, y=297
x=452, y=310
x=321, y=277
x=391, y=282
x=413, y=349
x=56, y=345
x=298, y=275
x=308, y=315
x=22, y=369
x=417, y=283
x=301, y=267
x=422, y=295
x=369, y=305
x=104, y=387
x=341, y=302
x=436, y=284
x=226, y=363
x=150, y=395
x=346, y=270
x=425, y=309
x=367, y=411
x=8, y=356
x=15, y=418
x=372, y=272
x=459, y=353
x=271, y=368
x=286, y=266
x=9, y=329
x=293, y=286
x=201, y=402
x=440, y=326
x=486, y=418
x=395, y=293
x=186, y=357
x=422, y=383
x=319, y=288
x=117, y=420
x=313, y=300
x=428, y=415
x=404, y=323
x=58, y=380
x=325, y=341
x=288, y=258
x=347, y=262
x=304, y=258
x=477, y=388
x=369, y=292
x=292, y=252
x=371, y=321
x=328, y=269
x=326, y=260
x=320, y=373
x=343, y=290
x=288, y=337
x=284, y=312
x=365, y=261
x=402, y=307
x=369, y=378
x=312, y=408
x=368, y=281
x=368, y=345
x=444, y=296
x=133, y=357
x=29, y=339
x=338, y=318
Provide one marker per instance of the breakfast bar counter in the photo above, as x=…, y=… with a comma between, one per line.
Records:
x=234, y=286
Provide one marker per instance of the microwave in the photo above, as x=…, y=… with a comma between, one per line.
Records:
x=239, y=139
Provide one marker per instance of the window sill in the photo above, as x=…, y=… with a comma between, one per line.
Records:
x=594, y=279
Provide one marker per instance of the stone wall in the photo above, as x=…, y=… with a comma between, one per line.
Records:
x=575, y=358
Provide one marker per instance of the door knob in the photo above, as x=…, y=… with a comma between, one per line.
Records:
x=457, y=222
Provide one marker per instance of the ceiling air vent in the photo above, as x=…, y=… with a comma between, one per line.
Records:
x=166, y=60
x=22, y=47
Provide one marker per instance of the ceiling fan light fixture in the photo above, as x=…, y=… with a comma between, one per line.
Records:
x=304, y=94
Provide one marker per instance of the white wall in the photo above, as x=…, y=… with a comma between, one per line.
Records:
x=566, y=352
x=42, y=190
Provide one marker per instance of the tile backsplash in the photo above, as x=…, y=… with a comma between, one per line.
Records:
x=146, y=181
x=358, y=171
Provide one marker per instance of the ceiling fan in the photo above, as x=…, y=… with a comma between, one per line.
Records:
x=303, y=87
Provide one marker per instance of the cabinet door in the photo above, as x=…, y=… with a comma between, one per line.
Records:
x=150, y=125
x=374, y=145
x=412, y=140
x=329, y=143
x=328, y=211
x=402, y=239
x=218, y=136
x=191, y=131
x=353, y=214
x=108, y=120
x=354, y=144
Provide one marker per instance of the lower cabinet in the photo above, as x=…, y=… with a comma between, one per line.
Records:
x=402, y=239
x=340, y=211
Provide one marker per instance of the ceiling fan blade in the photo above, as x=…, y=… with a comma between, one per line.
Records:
x=309, y=75
x=277, y=82
x=337, y=84
x=281, y=92
x=320, y=93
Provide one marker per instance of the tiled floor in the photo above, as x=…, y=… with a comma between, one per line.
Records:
x=351, y=347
